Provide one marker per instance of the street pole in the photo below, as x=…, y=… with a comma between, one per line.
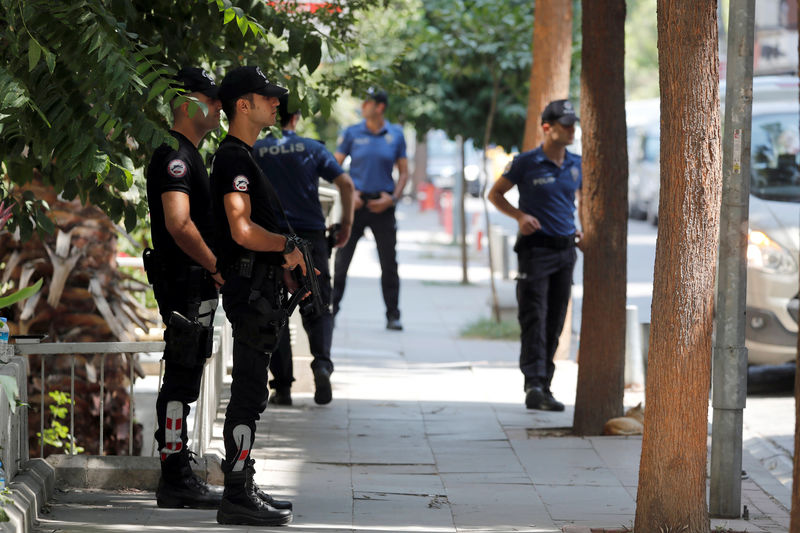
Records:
x=729, y=355
x=462, y=216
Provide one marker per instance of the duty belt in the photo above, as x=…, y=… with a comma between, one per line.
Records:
x=539, y=239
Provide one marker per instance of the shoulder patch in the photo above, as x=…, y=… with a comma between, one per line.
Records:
x=176, y=168
x=241, y=183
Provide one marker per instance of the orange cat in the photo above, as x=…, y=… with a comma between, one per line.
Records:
x=630, y=424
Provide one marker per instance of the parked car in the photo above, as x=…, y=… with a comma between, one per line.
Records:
x=774, y=237
x=773, y=251
x=443, y=168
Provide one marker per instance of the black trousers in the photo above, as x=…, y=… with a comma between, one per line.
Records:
x=543, y=292
x=319, y=328
x=384, y=228
x=181, y=384
x=249, y=389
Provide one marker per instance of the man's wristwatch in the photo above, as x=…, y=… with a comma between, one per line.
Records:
x=290, y=246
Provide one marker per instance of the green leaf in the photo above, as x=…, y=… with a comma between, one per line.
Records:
x=50, y=59
x=157, y=89
x=45, y=224
x=34, y=53
x=296, y=38
x=278, y=26
x=21, y=294
x=25, y=230
x=229, y=16
x=242, y=23
x=151, y=50
x=312, y=53
x=104, y=51
x=130, y=218
x=100, y=163
x=104, y=116
x=9, y=385
x=142, y=67
x=98, y=39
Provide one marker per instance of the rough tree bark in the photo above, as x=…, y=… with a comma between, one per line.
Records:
x=604, y=207
x=552, y=55
x=672, y=472
x=85, y=298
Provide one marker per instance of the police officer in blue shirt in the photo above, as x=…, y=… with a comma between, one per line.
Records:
x=549, y=183
x=375, y=147
x=294, y=164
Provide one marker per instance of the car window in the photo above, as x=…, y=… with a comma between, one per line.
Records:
x=774, y=166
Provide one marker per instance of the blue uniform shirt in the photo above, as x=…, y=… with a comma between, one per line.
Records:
x=547, y=191
x=293, y=165
x=373, y=155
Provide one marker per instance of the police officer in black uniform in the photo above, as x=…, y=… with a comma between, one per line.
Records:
x=294, y=164
x=549, y=180
x=182, y=268
x=255, y=259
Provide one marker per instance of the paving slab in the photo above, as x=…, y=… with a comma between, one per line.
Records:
x=427, y=431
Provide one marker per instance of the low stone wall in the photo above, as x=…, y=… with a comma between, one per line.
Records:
x=14, y=425
x=30, y=482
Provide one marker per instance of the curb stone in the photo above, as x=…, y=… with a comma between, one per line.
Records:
x=121, y=472
x=30, y=489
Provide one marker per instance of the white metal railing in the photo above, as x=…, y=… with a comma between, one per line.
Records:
x=207, y=402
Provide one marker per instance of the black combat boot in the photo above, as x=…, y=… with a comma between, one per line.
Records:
x=180, y=487
x=241, y=505
x=253, y=488
x=322, y=383
x=281, y=396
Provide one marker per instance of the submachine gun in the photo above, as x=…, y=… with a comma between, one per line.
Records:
x=311, y=306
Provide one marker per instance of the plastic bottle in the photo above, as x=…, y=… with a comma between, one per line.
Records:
x=3, y=330
x=2, y=477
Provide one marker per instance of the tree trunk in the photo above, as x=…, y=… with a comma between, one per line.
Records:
x=794, y=524
x=604, y=205
x=486, y=136
x=85, y=298
x=420, y=173
x=552, y=54
x=672, y=473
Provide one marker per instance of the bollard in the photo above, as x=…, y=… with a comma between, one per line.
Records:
x=500, y=253
x=634, y=365
x=446, y=213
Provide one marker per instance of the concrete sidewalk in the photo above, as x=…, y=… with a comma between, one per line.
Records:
x=427, y=431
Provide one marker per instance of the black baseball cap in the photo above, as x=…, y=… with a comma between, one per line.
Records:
x=246, y=80
x=560, y=111
x=378, y=96
x=197, y=80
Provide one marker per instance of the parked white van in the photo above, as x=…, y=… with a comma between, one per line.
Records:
x=773, y=251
